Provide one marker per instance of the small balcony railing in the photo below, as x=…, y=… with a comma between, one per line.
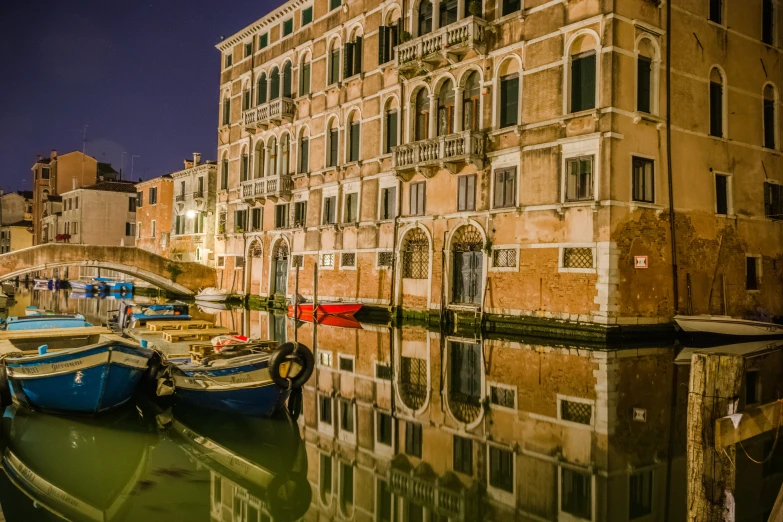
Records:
x=179, y=197
x=450, y=502
x=444, y=151
x=267, y=187
x=456, y=39
x=199, y=194
x=276, y=111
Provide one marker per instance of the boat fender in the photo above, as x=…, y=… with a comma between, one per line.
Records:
x=288, y=496
x=43, y=349
x=288, y=358
x=295, y=404
x=165, y=387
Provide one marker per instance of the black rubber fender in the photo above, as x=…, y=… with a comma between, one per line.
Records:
x=288, y=353
x=295, y=403
x=288, y=496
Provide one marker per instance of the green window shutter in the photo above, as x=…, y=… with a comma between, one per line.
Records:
x=274, y=91
x=334, y=67
x=304, y=155
x=509, y=100
x=391, y=130
x=355, y=141
x=348, y=60
x=383, y=35
x=333, y=147
x=643, y=85
x=357, y=55
x=307, y=16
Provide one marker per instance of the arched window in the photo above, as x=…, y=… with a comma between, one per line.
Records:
x=258, y=160
x=224, y=172
x=448, y=12
x=333, y=142
x=415, y=255
x=768, y=22
x=334, y=62
x=717, y=103
x=583, y=73
x=390, y=125
x=285, y=154
x=353, y=54
x=245, y=167
x=271, y=154
x=261, y=89
x=304, y=75
x=304, y=152
x=287, y=80
x=422, y=114
x=508, y=108
x=246, y=96
x=425, y=17
x=770, y=117
x=647, y=77
x=274, y=84
x=471, y=103
x=226, y=109
x=354, y=136
x=446, y=109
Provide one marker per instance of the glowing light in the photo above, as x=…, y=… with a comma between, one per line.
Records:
x=191, y=214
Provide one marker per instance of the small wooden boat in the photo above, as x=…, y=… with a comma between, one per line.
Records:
x=88, y=378
x=212, y=295
x=9, y=288
x=245, y=379
x=724, y=325
x=744, y=349
x=134, y=315
x=343, y=309
x=79, y=285
x=336, y=321
x=112, y=285
x=44, y=321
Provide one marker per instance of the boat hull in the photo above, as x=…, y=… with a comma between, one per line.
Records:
x=87, y=380
x=343, y=309
x=718, y=325
x=212, y=298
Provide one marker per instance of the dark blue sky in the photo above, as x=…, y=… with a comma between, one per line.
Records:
x=142, y=74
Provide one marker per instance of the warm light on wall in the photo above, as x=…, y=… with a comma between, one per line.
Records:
x=191, y=214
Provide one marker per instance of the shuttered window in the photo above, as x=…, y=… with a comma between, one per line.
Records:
x=716, y=109
x=413, y=439
x=418, y=195
x=583, y=81
x=466, y=193
x=245, y=167
x=643, y=85
x=354, y=142
x=304, y=155
x=509, y=100
x=391, y=131
x=224, y=175
x=579, y=179
x=643, y=180
x=333, y=143
x=351, y=207
x=334, y=67
x=300, y=213
x=307, y=15
x=240, y=220
x=388, y=38
x=505, y=187
x=256, y=219
x=226, y=111
x=304, y=79
x=281, y=215
x=153, y=197
x=388, y=202
x=139, y=198
x=330, y=210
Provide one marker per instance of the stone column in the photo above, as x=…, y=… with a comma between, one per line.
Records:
x=458, y=95
x=433, y=127
x=435, y=15
x=279, y=157
x=461, y=9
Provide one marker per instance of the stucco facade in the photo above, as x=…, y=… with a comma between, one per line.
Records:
x=193, y=218
x=154, y=208
x=506, y=159
x=16, y=236
x=103, y=214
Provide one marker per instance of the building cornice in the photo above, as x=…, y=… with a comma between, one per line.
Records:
x=159, y=179
x=193, y=170
x=259, y=24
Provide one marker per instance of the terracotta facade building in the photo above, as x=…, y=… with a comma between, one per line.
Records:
x=154, y=208
x=193, y=218
x=508, y=158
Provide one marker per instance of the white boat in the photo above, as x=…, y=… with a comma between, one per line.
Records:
x=3, y=300
x=725, y=325
x=744, y=349
x=212, y=295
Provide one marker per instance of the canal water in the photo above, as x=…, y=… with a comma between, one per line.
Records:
x=398, y=424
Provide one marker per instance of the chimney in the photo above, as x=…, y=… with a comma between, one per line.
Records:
x=38, y=158
x=53, y=154
x=196, y=159
x=188, y=164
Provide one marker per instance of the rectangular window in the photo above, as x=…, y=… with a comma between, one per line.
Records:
x=505, y=187
x=348, y=260
x=153, y=195
x=281, y=215
x=503, y=397
x=640, y=494
x=325, y=406
x=77, y=202
x=385, y=428
x=578, y=412
x=255, y=219
x=716, y=109
x=463, y=455
x=383, y=371
x=752, y=387
x=226, y=111
x=200, y=185
x=307, y=15
x=643, y=84
x=413, y=443
x=334, y=4
x=752, y=273
x=221, y=261
x=767, y=22
x=153, y=228
x=263, y=40
x=333, y=147
x=229, y=60
x=334, y=67
x=330, y=210
x=384, y=502
x=224, y=175
x=769, y=124
x=351, y=207
x=132, y=204
x=575, y=493
x=501, y=469
x=304, y=79
x=773, y=201
x=509, y=100
x=388, y=37
x=721, y=194
x=388, y=203
x=511, y=6
x=466, y=193
x=391, y=131
x=643, y=180
x=716, y=11
x=346, y=364
x=44, y=172
x=300, y=213
x=583, y=81
x=327, y=259
x=385, y=258
x=346, y=416
x=240, y=220
x=304, y=155
x=288, y=27
x=418, y=195
x=248, y=49
x=579, y=179
x=130, y=229
x=354, y=142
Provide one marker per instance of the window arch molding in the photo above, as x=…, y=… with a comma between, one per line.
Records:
x=655, y=71
x=304, y=72
x=259, y=157
x=771, y=88
x=391, y=13
x=571, y=49
x=415, y=10
x=354, y=116
x=332, y=151
x=724, y=99
x=462, y=85
x=391, y=102
x=511, y=64
x=412, y=113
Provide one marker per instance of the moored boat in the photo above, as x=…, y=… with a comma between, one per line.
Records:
x=43, y=321
x=40, y=283
x=752, y=348
x=213, y=295
x=134, y=315
x=336, y=308
x=336, y=321
x=724, y=325
x=245, y=379
x=79, y=285
x=112, y=285
x=9, y=288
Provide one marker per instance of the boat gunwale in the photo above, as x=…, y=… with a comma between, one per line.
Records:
x=19, y=359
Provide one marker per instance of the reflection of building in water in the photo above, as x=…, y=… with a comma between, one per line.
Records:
x=230, y=502
x=410, y=426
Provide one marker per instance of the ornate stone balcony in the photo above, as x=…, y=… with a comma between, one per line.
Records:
x=273, y=187
x=450, y=43
x=449, y=152
x=443, y=495
x=276, y=112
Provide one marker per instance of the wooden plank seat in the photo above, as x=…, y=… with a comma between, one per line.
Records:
x=196, y=334
x=159, y=326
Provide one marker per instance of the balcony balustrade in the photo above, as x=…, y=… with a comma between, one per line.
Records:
x=442, y=152
x=179, y=197
x=276, y=187
x=276, y=112
x=443, y=498
x=199, y=194
x=424, y=53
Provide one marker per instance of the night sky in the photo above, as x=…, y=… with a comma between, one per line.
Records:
x=143, y=75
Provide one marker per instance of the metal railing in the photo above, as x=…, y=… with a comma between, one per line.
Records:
x=465, y=33
x=179, y=197
x=453, y=147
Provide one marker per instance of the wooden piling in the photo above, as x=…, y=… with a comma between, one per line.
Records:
x=713, y=393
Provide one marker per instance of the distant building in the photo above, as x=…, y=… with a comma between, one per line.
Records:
x=193, y=223
x=56, y=175
x=51, y=212
x=16, y=236
x=100, y=214
x=154, y=208
x=16, y=206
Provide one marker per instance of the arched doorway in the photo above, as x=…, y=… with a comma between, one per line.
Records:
x=280, y=268
x=255, y=267
x=415, y=267
x=467, y=265
x=466, y=372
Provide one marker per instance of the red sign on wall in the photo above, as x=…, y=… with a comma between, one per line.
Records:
x=640, y=261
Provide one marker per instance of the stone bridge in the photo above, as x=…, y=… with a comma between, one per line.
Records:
x=173, y=276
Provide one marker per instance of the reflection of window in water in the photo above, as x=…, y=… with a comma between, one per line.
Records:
x=640, y=494
x=501, y=469
x=279, y=333
x=465, y=385
x=463, y=455
x=413, y=512
x=413, y=382
x=384, y=502
x=346, y=491
x=385, y=428
x=575, y=493
x=326, y=477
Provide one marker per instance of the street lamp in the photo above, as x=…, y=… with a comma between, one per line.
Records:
x=191, y=214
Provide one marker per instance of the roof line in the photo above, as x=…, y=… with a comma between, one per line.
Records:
x=258, y=24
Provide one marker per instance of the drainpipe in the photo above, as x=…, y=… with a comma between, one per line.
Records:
x=673, y=231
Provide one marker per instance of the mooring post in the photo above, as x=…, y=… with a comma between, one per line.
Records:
x=713, y=393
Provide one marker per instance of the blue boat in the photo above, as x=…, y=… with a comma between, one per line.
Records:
x=78, y=285
x=88, y=379
x=245, y=379
x=134, y=315
x=44, y=321
x=112, y=285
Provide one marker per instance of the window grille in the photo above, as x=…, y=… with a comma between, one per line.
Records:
x=325, y=359
x=576, y=412
x=383, y=372
x=468, y=239
x=348, y=259
x=502, y=397
x=385, y=258
x=346, y=364
x=256, y=251
x=577, y=258
x=240, y=262
x=298, y=261
x=415, y=255
x=504, y=258
x=327, y=259
x=413, y=382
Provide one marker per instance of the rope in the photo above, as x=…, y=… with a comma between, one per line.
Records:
x=774, y=444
